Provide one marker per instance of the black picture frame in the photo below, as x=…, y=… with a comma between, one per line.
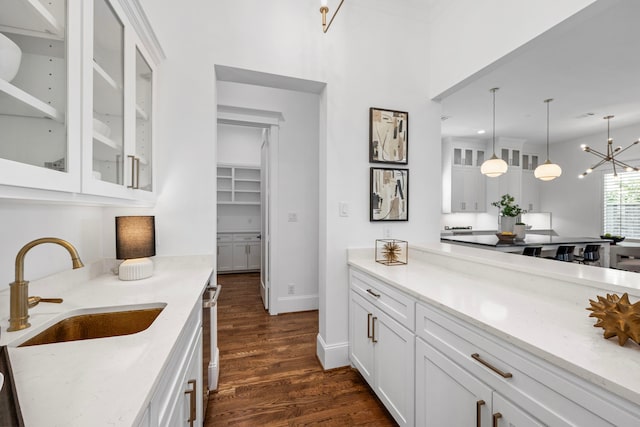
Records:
x=388, y=136
x=389, y=194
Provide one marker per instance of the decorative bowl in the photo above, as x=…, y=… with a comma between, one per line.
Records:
x=10, y=57
x=615, y=239
x=506, y=238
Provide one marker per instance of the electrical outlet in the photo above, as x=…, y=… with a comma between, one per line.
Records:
x=292, y=289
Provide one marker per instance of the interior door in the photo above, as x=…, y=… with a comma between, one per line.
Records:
x=264, y=218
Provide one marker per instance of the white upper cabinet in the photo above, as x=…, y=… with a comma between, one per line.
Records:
x=76, y=86
x=40, y=48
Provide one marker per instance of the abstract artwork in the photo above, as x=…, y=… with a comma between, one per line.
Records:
x=389, y=194
x=388, y=136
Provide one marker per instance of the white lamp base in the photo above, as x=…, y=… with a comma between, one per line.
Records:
x=135, y=269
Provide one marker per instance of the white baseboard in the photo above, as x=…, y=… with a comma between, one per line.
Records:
x=332, y=355
x=297, y=303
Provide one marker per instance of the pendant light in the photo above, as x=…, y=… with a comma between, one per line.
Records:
x=547, y=171
x=494, y=167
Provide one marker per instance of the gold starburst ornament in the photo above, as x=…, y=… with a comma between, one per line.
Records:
x=391, y=251
x=617, y=316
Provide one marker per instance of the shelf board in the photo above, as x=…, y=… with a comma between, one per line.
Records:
x=238, y=203
x=32, y=106
x=140, y=113
x=105, y=76
x=31, y=17
x=247, y=191
x=223, y=176
x=247, y=180
x=106, y=149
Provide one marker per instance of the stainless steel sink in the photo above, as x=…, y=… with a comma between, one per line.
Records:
x=88, y=326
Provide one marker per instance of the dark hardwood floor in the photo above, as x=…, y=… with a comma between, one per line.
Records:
x=269, y=373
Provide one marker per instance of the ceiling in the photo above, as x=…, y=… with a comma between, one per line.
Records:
x=589, y=65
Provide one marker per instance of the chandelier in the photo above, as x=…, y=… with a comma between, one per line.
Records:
x=324, y=9
x=610, y=156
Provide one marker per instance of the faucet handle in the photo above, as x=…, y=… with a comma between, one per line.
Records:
x=33, y=301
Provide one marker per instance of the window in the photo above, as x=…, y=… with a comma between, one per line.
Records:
x=622, y=204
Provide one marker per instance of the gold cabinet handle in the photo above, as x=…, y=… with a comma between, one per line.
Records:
x=373, y=293
x=192, y=402
x=479, y=405
x=503, y=374
x=373, y=332
x=133, y=171
x=137, y=162
x=369, y=325
x=496, y=417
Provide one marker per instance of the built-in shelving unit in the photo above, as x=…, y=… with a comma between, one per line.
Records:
x=239, y=185
x=28, y=105
x=31, y=17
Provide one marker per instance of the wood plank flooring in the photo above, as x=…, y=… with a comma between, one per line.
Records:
x=269, y=373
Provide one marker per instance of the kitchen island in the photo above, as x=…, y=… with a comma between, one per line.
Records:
x=128, y=380
x=548, y=243
x=460, y=336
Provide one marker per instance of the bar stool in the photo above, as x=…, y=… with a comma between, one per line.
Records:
x=564, y=253
x=591, y=255
x=532, y=250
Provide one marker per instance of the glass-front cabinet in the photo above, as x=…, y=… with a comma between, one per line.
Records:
x=39, y=111
x=76, y=98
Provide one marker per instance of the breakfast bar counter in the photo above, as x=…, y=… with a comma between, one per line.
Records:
x=548, y=243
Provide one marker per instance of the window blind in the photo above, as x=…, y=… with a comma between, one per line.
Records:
x=622, y=204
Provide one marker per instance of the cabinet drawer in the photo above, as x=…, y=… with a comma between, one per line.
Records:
x=246, y=237
x=560, y=397
x=225, y=238
x=396, y=304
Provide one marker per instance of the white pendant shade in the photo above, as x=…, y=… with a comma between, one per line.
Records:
x=547, y=171
x=494, y=167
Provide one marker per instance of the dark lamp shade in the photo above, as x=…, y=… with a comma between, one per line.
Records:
x=135, y=237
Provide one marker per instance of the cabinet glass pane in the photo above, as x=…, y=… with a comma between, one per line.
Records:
x=457, y=156
x=143, y=121
x=525, y=161
x=33, y=83
x=534, y=162
x=108, y=94
x=515, y=160
x=504, y=155
x=468, y=157
x=479, y=157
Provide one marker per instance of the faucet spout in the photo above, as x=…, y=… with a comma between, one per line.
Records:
x=19, y=289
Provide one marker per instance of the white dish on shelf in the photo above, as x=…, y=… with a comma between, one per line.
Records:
x=10, y=57
x=101, y=127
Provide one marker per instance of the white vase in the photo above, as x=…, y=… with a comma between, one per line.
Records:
x=520, y=231
x=507, y=223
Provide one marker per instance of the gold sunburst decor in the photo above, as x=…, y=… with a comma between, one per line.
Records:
x=617, y=316
x=391, y=251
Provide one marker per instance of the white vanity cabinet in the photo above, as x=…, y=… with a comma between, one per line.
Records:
x=381, y=343
x=177, y=400
x=77, y=116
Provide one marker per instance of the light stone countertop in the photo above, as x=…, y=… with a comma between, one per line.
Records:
x=106, y=381
x=535, y=304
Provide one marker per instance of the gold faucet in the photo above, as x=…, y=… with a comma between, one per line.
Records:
x=19, y=290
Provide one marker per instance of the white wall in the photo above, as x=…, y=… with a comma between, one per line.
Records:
x=239, y=145
x=294, y=244
x=469, y=35
x=576, y=204
x=22, y=222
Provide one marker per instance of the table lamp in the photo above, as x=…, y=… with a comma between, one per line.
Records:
x=135, y=241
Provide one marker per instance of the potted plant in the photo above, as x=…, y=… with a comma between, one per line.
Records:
x=509, y=212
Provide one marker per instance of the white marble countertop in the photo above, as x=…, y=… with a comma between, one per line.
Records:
x=535, y=304
x=106, y=381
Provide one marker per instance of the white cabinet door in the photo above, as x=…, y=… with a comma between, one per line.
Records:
x=530, y=192
x=240, y=251
x=193, y=389
x=253, y=256
x=511, y=183
x=360, y=343
x=394, y=366
x=225, y=256
x=468, y=190
x=458, y=202
x=506, y=414
x=446, y=394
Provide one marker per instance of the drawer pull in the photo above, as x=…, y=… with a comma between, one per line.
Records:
x=369, y=325
x=479, y=405
x=373, y=293
x=496, y=417
x=477, y=357
x=192, y=402
x=373, y=332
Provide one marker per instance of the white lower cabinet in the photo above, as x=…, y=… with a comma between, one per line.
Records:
x=225, y=256
x=177, y=400
x=238, y=252
x=383, y=351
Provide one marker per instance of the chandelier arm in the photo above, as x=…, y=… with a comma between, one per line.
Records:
x=623, y=164
x=626, y=148
x=599, y=154
x=600, y=163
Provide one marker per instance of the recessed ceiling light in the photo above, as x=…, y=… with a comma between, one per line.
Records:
x=481, y=131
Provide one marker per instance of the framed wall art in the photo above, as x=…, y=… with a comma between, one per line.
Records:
x=389, y=194
x=388, y=136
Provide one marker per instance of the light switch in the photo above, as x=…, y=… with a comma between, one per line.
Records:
x=293, y=217
x=343, y=208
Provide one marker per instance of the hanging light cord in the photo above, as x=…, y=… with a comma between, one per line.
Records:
x=548, y=101
x=494, y=119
